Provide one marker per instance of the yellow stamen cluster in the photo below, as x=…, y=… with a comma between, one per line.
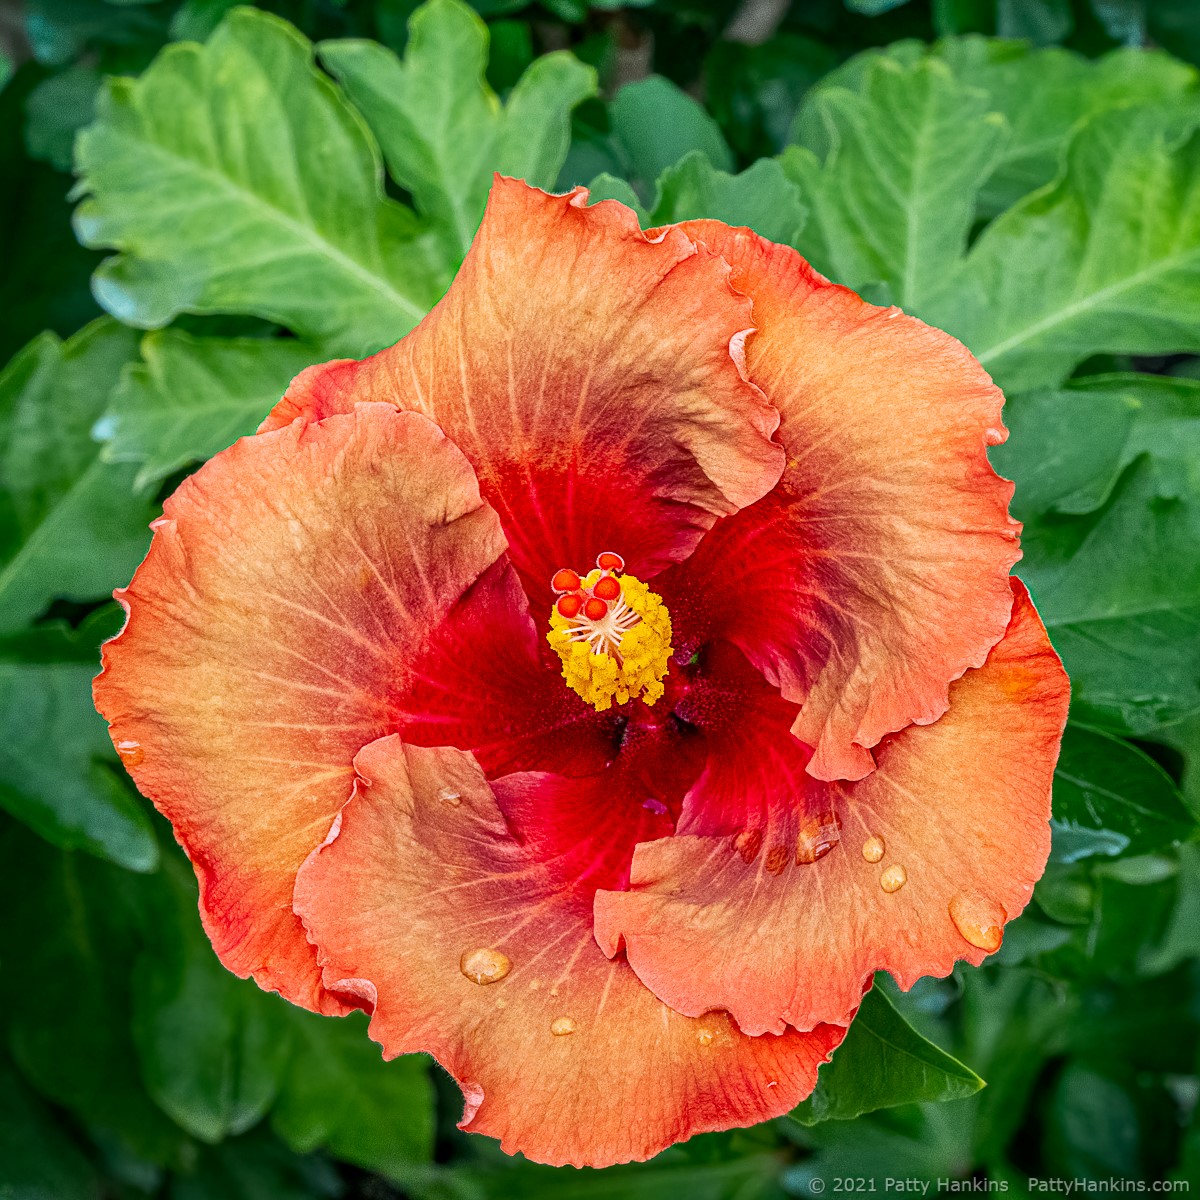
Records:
x=637, y=659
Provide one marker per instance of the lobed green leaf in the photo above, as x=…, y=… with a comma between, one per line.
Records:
x=234, y=177
x=191, y=397
x=442, y=129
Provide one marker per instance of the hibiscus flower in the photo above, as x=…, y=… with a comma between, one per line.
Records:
x=600, y=684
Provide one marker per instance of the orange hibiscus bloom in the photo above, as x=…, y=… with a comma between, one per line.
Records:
x=600, y=684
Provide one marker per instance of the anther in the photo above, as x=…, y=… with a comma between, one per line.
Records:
x=608, y=561
x=569, y=605
x=607, y=587
x=565, y=580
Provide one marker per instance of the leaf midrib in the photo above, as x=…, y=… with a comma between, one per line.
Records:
x=1162, y=266
x=304, y=233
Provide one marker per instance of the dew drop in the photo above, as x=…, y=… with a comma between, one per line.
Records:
x=561, y=1026
x=484, y=965
x=450, y=796
x=979, y=920
x=554, y=993
x=818, y=835
x=873, y=849
x=747, y=844
x=893, y=878
x=704, y=1037
x=777, y=859
x=655, y=806
x=131, y=753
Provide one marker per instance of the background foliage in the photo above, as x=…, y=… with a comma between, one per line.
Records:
x=257, y=189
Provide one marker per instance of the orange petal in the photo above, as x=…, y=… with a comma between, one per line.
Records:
x=422, y=890
x=289, y=585
x=592, y=376
x=937, y=848
x=895, y=529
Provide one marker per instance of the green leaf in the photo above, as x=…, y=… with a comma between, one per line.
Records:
x=891, y=172
x=212, y=1048
x=865, y=124
x=655, y=124
x=37, y=1159
x=883, y=1062
x=1092, y=1127
x=62, y=30
x=761, y=197
x=56, y=110
x=1012, y=1022
x=1180, y=942
x=69, y=525
x=440, y=125
x=1057, y=471
x=1043, y=22
x=609, y=187
x=54, y=773
x=1111, y=552
x=1118, y=591
x=1110, y=798
x=725, y=1172
x=190, y=397
x=873, y=8
x=339, y=1094
x=44, y=282
x=1135, y=899
x=71, y=1037
x=1066, y=893
x=1106, y=261
x=256, y=1167
x=234, y=177
x=755, y=91
x=1045, y=94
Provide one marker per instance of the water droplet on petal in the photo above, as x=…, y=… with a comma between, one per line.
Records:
x=893, y=878
x=747, y=844
x=979, y=920
x=131, y=753
x=704, y=1037
x=450, y=796
x=484, y=965
x=818, y=835
x=561, y=1026
x=873, y=849
x=777, y=859
x=655, y=806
